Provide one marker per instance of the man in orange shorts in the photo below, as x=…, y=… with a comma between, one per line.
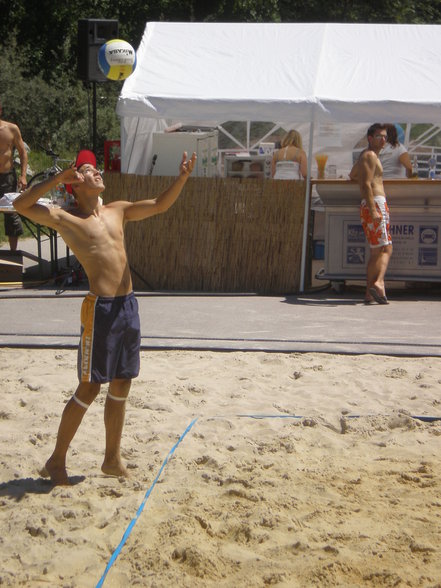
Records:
x=374, y=213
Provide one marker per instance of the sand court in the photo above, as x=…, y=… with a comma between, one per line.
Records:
x=336, y=485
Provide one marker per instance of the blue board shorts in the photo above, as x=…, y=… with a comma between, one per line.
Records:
x=110, y=338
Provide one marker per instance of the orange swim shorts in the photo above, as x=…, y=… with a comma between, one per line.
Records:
x=378, y=232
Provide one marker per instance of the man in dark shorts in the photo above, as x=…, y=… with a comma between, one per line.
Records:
x=110, y=331
x=10, y=139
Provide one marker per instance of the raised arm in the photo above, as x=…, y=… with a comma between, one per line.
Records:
x=26, y=203
x=145, y=208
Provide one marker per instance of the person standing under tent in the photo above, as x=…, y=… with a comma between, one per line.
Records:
x=290, y=162
x=374, y=213
x=394, y=156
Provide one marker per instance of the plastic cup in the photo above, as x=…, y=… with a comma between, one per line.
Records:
x=321, y=159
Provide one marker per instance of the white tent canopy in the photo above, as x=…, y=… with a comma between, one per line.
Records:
x=209, y=73
x=214, y=72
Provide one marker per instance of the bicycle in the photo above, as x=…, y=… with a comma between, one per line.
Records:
x=58, y=194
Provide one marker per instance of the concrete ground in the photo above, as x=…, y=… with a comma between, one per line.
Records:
x=43, y=315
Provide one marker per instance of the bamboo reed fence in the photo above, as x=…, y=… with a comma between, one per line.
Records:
x=222, y=234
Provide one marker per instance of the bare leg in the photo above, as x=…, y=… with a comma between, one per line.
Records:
x=376, y=270
x=114, y=413
x=71, y=418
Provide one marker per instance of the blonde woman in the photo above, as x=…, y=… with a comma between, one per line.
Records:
x=289, y=162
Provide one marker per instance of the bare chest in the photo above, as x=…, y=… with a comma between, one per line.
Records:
x=6, y=135
x=6, y=140
x=103, y=233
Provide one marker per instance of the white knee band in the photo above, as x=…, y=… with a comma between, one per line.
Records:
x=117, y=398
x=80, y=402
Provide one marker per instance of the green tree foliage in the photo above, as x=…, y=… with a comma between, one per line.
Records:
x=361, y=11
x=54, y=112
x=38, y=64
x=49, y=30
x=231, y=11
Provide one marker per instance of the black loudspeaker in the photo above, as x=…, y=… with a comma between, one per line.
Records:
x=92, y=33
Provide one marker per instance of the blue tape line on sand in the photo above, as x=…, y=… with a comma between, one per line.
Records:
x=173, y=449
x=141, y=506
x=424, y=418
x=269, y=416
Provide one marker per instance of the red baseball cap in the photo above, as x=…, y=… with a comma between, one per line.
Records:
x=84, y=156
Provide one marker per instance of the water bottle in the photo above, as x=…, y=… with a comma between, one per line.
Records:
x=432, y=168
x=415, y=166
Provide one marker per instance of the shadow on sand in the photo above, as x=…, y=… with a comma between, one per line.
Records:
x=17, y=489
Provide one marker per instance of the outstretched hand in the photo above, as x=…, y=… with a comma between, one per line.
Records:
x=187, y=165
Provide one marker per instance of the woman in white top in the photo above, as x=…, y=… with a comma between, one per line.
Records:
x=289, y=162
x=394, y=156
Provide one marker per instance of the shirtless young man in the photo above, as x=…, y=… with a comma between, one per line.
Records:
x=10, y=139
x=110, y=334
x=374, y=213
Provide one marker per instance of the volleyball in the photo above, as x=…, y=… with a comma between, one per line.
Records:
x=117, y=59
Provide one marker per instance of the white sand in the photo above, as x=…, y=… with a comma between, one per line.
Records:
x=324, y=500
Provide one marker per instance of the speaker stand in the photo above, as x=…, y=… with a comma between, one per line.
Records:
x=94, y=117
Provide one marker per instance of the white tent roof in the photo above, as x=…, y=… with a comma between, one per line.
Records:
x=213, y=72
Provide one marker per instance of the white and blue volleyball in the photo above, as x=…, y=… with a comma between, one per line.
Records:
x=117, y=59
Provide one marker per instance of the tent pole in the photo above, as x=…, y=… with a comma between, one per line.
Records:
x=306, y=214
x=407, y=135
x=124, y=141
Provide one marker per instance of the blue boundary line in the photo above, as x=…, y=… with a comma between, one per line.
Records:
x=173, y=449
x=141, y=506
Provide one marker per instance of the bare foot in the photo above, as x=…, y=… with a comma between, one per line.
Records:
x=58, y=475
x=114, y=469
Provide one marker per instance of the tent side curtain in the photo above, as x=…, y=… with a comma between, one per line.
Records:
x=136, y=143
